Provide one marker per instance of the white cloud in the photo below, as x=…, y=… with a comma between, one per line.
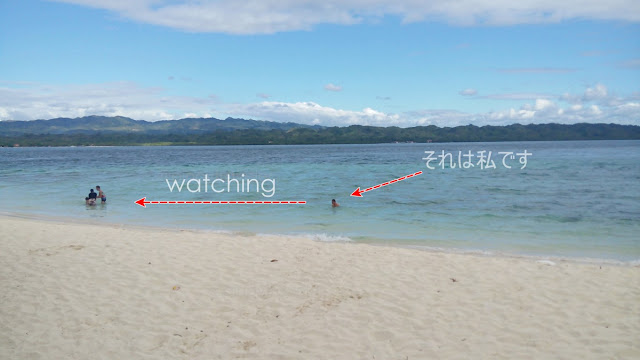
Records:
x=28, y=101
x=315, y=114
x=544, y=105
x=270, y=16
x=440, y=117
x=39, y=101
x=468, y=92
x=595, y=110
x=597, y=92
x=332, y=87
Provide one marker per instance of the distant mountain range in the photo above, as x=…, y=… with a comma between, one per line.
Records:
x=120, y=124
x=110, y=131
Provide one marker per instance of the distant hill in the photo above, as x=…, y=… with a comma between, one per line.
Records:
x=106, y=131
x=119, y=124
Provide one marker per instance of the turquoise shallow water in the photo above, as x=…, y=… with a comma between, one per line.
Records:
x=573, y=199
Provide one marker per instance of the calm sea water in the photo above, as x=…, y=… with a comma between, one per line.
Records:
x=573, y=199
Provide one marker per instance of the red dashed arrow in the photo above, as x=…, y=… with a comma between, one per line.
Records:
x=143, y=202
x=359, y=192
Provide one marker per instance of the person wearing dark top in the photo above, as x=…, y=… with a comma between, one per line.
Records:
x=91, y=199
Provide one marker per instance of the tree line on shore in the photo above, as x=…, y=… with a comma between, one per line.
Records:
x=355, y=134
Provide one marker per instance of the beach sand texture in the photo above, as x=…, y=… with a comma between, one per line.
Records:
x=78, y=291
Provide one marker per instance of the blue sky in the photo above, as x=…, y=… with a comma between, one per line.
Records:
x=345, y=62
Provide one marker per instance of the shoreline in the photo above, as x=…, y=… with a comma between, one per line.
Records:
x=314, y=144
x=315, y=238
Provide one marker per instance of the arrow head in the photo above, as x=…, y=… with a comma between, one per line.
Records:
x=357, y=193
x=141, y=202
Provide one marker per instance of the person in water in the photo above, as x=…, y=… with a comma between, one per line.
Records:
x=334, y=203
x=91, y=199
x=101, y=194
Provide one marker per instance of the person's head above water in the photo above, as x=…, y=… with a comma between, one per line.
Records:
x=91, y=190
x=334, y=203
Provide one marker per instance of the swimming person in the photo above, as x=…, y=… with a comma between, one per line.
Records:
x=101, y=194
x=91, y=199
x=334, y=203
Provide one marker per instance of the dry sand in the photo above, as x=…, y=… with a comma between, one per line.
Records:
x=75, y=291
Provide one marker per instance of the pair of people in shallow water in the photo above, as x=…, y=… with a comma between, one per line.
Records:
x=92, y=198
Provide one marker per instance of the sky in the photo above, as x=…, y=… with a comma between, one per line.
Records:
x=332, y=63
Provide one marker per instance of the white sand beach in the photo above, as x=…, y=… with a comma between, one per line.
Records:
x=78, y=291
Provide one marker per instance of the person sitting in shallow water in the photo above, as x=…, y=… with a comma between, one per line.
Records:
x=91, y=199
x=334, y=203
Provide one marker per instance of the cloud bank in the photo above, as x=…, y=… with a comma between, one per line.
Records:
x=29, y=101
x=272, y=16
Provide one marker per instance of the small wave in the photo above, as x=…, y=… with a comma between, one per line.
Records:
x=321, y=237
x=558, y=218
x=521, y=207
x=550, y=260
x=488, y=216
x=633, y=263
x=317, y=224
x=328, y=238
x=503, y=190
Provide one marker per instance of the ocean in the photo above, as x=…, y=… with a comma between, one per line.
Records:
x=571, y=199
